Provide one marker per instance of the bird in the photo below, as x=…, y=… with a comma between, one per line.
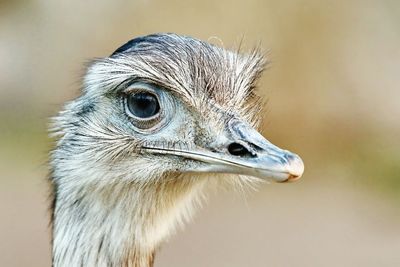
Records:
x=155, y=125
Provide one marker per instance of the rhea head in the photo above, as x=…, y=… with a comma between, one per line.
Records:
x=134, y=147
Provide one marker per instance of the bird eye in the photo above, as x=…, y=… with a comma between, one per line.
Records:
x=143, y=105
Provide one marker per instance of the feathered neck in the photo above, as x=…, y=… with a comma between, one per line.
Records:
x=121, y=224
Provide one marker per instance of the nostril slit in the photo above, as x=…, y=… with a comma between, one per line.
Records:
x=238, y=150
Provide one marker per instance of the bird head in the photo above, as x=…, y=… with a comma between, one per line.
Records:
x=166, y=103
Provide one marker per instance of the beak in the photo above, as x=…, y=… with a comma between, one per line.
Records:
x=245, y=151
x=242, y=150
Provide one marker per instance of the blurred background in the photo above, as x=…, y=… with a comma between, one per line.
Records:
x=333, y=97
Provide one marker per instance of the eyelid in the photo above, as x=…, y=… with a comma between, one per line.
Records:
x=140, y=87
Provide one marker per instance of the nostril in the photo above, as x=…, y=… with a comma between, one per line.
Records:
x=238, y=150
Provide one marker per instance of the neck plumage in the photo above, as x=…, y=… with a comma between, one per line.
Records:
x=118, y=225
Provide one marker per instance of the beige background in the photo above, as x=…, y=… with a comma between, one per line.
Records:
x=333, y=91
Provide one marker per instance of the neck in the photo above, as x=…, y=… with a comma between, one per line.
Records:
x=118, y=225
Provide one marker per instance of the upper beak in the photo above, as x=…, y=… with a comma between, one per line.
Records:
x=245, y=151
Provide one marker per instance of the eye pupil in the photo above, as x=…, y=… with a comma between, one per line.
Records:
x=143, y=105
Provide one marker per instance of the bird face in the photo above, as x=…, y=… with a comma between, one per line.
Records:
x=172, y=104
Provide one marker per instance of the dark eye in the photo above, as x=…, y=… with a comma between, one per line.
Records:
x=143, y=105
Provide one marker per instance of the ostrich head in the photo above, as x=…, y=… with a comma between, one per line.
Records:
x=134, y=148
